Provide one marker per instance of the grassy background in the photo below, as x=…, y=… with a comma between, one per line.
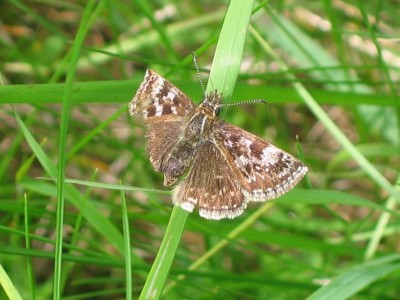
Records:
x=70, y=68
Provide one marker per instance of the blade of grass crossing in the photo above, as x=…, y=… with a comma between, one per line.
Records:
x=348, y=283
x=128, y=258
x=65, y=115
x=229, y=51
x=330, y=125
x=159, y=270
x=29, y=268
x=224, y=72
x=102, y=224
x=223, y=243
x=8, y=286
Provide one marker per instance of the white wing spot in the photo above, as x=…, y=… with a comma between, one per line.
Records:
x=159, y=108
x=228, y=143
x=157, y=86
x=246, y=142
x=269, y=155
x=173, y=109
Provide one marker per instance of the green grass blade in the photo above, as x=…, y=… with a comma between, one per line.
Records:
x=128, y=256
x=224, y=72
x=345, y=142
x=381, y=225
x=29, y=267
x=8, y=286
x=65, y=115
x=348, y=283
x=96, y=219
x=229, y=51
x=331, y=126
x=159, y=271
x=223, y=243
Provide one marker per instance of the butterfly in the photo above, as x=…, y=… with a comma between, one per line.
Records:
x=222, y=167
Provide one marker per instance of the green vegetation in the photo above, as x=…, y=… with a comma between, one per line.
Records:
x=84, y=216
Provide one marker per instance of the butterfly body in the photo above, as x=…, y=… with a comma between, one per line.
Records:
x=226, y=166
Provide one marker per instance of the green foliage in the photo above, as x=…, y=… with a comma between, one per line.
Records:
x=329, y=71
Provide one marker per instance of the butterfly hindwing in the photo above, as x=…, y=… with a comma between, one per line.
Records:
x=210, y=184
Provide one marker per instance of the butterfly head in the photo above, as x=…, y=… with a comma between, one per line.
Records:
x=212, y=102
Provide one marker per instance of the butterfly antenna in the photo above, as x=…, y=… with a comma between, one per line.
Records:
x=245, y=102
x=198, y=72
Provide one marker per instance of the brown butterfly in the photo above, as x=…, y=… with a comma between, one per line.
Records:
x=227, y=166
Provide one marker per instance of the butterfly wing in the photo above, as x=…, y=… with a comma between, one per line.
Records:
x=159, y=101
x=234, y=168
x=263, y=170
x=163, y=107
x=211, y=184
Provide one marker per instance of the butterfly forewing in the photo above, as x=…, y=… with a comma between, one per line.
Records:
x=159, y=101
x=264, y=171
x=163, y=107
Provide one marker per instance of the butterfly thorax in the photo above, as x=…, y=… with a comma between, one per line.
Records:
x=199, y=126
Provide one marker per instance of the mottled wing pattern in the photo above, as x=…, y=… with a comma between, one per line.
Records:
x=263, y=170
x=163, y=106
x=162, y=137
x=229, y=166
x=211, y=184
x=159, y=101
